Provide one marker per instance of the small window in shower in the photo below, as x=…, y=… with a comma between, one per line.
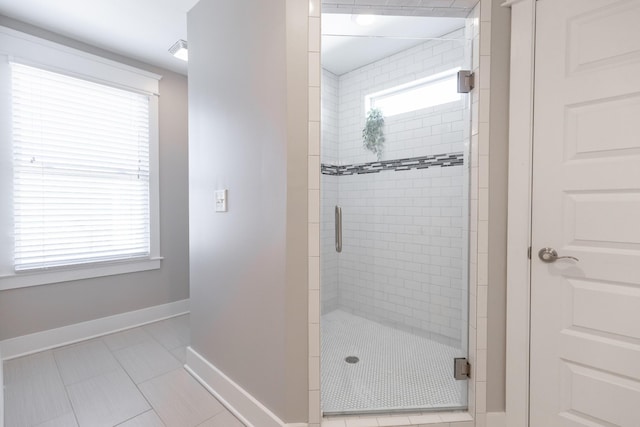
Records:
x=427, y=92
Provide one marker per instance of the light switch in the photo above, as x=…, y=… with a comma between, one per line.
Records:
x=221, y=201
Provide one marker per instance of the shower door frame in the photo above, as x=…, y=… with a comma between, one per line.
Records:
x=471, y=324
x=478, y=253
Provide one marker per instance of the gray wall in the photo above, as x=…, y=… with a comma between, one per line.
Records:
x=498, y=174
x=38, y=308
x=248, y=134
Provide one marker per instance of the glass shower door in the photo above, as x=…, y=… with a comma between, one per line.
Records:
x=395, y=170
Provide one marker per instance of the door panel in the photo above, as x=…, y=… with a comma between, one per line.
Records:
x=589, y=126
x=599, y=38
x=585, y=315
x=598, y=395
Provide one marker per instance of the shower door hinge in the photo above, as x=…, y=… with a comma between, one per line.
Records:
x=529, y=252
x=466, y=81
x=461, y=368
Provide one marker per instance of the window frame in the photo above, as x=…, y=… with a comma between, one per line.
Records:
x=29, y=50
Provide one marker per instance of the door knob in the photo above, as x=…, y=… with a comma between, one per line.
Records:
x=551, y=255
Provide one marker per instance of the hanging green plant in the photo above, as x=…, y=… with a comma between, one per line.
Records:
x=373, y=134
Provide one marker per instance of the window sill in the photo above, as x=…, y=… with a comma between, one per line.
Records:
x=88, y=271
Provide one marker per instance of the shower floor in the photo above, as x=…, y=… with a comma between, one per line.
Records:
x=397, y=370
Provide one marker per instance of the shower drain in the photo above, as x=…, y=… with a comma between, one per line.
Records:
x=352, y=359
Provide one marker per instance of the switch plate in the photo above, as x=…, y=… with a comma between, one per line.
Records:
x=221, y=201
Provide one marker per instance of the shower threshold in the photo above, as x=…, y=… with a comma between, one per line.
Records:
x=395, y=411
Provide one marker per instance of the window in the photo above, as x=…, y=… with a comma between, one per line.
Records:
x=79, y=180
x=80, y=170
x=423, y=93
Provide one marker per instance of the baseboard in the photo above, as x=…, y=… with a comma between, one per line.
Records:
x=496, y=419
x=39, y=341
x=237, y=400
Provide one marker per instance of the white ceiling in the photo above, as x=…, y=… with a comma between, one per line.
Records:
x=140, y=29
x=145, y=29
x=347, y=45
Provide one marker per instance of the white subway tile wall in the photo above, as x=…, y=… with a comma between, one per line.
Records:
x=329, y=118
x=434, y=130
x=478, y=265
x=314, y=219
x=329, y=191
x=404, y=251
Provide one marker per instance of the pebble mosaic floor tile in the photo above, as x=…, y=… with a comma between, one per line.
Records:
x=396, y=370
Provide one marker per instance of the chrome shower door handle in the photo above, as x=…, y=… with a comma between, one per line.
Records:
x=551, y=255
x=338, y=222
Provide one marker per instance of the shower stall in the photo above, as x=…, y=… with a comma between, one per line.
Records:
x=394, y=206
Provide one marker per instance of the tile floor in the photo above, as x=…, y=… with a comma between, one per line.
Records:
x=132, y=378
x=396, y=370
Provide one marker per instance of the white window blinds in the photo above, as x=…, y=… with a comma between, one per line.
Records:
x=81, y=171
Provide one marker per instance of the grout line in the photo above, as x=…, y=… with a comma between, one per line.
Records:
x=87, y=378
x=136, y=386
x=145, y=412
x=120, y=366
x=134, y=383
x=66, y=390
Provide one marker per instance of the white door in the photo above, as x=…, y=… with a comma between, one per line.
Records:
x=585, y=315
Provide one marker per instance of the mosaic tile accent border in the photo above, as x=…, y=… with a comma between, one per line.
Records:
x=423, y=162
